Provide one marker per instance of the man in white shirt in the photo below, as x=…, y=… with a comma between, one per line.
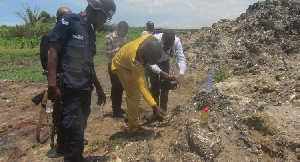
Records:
x=171, y=44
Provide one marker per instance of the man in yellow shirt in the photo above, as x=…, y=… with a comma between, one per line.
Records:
x=129, y=64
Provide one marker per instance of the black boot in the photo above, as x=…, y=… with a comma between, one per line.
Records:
x=55, y=153
x=118, y=113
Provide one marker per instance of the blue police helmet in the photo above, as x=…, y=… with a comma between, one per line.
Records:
x=107, y=6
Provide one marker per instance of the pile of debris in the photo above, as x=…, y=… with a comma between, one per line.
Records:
x=255, y=98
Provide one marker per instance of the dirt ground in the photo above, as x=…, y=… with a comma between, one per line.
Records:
x=241, y=128
x=254, y=104
x=19, y=117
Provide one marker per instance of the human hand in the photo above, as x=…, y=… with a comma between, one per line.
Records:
x=180, y=79
x=101, y=97
x=116, y=49
x=159, y=112
x=54, y=94
x=123, y=43
x=164, y=74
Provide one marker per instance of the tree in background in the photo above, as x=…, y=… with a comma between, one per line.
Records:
x=45, y=17
x=36, y=23
x=29, y=16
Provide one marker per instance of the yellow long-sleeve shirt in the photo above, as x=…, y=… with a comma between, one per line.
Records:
x=124, y=61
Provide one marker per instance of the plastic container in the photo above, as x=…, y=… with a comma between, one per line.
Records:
x=204, y=115
x=209, y=82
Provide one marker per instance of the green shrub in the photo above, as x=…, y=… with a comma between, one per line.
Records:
x=20, y=59
x=28, y=31
x=134, y=33
x=100, y=40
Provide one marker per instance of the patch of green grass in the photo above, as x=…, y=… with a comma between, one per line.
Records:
x=22, y=72
x=219, y=76
x=97, y=143
x=24, y=64
x=8, y=55
x=21, y=64
x=118, y=140
x=121, y=142
x=100, y=59
x=283, y=154
x=38, y=152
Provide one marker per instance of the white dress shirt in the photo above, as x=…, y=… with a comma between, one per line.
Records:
x=177, y=48
x=146, y=32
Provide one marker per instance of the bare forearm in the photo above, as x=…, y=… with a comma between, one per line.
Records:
x=52, y=67
x=52, y=63
x=96, y=82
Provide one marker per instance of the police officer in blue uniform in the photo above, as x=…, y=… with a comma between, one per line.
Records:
x=44, y=47
x=71, y=52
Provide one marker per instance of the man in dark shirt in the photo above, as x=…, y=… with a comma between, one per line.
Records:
x=71, y=52
x=44, y=47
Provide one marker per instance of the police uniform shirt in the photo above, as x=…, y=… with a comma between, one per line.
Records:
x=78, y=42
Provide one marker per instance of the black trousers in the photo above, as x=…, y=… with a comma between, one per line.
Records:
x=76, y=109
x=160, y=96
x=116, y=90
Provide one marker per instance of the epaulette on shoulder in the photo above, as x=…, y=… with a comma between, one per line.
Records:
x=74, y=16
